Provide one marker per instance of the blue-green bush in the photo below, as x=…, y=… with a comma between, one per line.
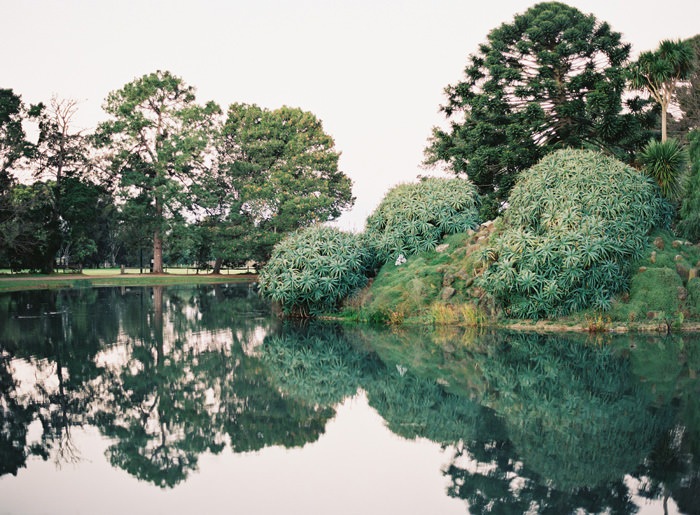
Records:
x=576, y=223
x=414, y=217
x=313, y=269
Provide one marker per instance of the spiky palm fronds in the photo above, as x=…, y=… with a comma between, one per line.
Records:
x=666, y=162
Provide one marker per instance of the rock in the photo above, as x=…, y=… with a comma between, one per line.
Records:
x=642, y=269
x=693, y=273
x=447, y=293
x=477, y=292
x=682, y=293
x=652, y=258
x=487, y=224
x=677, y=258
x=651, y=315
x=677, y=244
x=659, y=243
x=470, y=232
x=442, y=248
x=447, y=279
x=683, y=272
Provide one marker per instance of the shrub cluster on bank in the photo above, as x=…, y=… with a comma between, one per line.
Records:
x=575, y=236
x=314, y=269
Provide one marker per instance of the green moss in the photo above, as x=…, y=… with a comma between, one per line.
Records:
x=653, y=293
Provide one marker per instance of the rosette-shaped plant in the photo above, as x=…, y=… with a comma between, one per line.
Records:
x=413, y=218
x=576, y=223
x=313, y=269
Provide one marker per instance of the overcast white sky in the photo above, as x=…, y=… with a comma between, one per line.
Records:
x=372, y=70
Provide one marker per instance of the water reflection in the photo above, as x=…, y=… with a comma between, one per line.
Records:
x=533, y=423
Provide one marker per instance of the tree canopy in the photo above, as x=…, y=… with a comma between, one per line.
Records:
x=659, y=72
x=157, y=140
x=688, y=96
x=277, y=171
x=551, y=78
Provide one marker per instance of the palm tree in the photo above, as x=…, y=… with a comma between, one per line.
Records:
x=660, y=71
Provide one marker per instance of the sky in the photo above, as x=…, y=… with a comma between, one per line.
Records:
x=373, y=71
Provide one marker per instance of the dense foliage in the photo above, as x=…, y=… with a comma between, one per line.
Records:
x=414, y=217
x=660, y=71
x=665, y=162
x=163, y=179
x=157, y=138
x=576, y=223
x=313, y=269
x=689, y=224
x=553, y=77
x=276, y=171
x=688, y=97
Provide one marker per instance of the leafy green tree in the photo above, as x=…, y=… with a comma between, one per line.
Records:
x=88, y=214
x=158, y=139
x=14, y=148
x=659, y=72
x=61, y=151
x=413, y=218
x=552, y=78
x=576, y=223
x=314, y=269
x=13, y=143
x=62, y=154
x=277, y=172
x=31, y=230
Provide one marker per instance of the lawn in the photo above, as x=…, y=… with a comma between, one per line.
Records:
x=114, y=277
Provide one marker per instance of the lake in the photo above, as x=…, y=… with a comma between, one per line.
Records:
x=198, y=399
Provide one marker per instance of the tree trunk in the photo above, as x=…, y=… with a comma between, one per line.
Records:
x=217, y=266
x=663, y=124
x=158, y=241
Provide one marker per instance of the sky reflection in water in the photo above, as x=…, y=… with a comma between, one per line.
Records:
x=197, y=399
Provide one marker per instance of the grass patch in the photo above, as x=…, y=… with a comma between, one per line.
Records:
x=433, y=288
x=89, y=280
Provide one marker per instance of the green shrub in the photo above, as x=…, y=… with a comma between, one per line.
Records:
x=694, y=296
x=689, y=225
x=413, y=218
x=576, y=223
x=313, y=269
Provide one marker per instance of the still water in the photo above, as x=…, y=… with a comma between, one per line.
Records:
x=199, y=400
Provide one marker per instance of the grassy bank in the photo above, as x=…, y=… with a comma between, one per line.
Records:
x=442, y=289
x=112, y=277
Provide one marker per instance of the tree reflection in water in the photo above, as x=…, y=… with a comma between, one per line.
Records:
x=539, y=423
